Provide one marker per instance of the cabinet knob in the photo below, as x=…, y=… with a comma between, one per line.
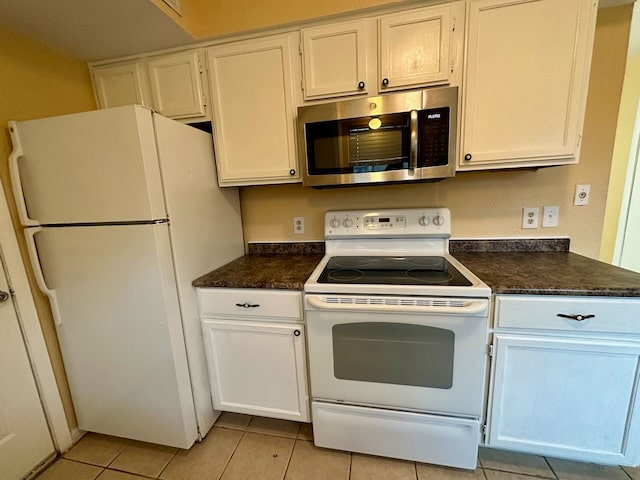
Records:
x=468, y=157
x=385, y=82
x=292, y=172
x=4, y=296
x=247, y=305
x=296, y=333
x=577, y=318
x=361, y=85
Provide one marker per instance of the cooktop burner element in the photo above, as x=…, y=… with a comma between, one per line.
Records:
x=392, y=270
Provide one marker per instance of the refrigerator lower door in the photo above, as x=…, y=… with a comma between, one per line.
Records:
x=120, y=329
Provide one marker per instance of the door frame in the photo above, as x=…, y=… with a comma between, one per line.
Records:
x=30, y=326
x=632, y=183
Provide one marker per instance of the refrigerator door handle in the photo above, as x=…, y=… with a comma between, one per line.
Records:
x=16, y=183
x=29, y=234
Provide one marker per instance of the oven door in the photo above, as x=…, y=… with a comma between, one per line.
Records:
x=421, y=354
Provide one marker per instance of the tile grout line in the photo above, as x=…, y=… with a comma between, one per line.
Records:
x=350, y=463
x=126, y=444
x=226, y=465
x=171, y=459
x=130, y=473
x=415, y=469
x=626, y=473
x=550, y=467
x=295, y=441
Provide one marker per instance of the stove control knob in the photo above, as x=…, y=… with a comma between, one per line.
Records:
x=423, y=221
x=438, y=220
x=334, y=223
x=347, y=223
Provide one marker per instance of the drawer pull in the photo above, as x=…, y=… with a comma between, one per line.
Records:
x=577, y=318
x=247, y=305
x=296, y=333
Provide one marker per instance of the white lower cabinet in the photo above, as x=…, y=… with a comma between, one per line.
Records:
x=256, y=361
x=567, y=392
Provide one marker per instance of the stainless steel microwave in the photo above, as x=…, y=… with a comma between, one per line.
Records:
x=398, y=137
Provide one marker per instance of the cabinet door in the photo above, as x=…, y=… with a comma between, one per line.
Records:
x=335, y=59
x=254, y=110
x=176, y=85
x=118, y=85
x=258, y=368
x=526, y=82
x=414, y=48
x=566, y=397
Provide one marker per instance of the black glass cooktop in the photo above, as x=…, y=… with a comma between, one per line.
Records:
x=392, y=271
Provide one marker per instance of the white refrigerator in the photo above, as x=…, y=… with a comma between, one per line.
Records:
x=122, y=210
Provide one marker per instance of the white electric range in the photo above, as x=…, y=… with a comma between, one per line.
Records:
x=397, y=335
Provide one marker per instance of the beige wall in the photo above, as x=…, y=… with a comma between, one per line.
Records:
x=37, y=81
x=214, y=18
x=483, y=204
x=629, y=104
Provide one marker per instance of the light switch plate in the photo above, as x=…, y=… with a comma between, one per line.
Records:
x=550, y=216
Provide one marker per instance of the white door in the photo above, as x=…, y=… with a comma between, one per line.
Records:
x=414, y=47
x=24, y=436
x=113, y=294
x=566, y=397
x=176, y=85
x=99, y=166
x=399, y=355
x=526, y=81
x=258, y=368
x=118, y=85
x=253, y=100
x=335, y=59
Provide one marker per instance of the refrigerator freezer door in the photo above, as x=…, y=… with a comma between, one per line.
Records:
x=91, y=167
x=120, y=330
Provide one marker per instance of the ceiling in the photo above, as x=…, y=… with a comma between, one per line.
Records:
x=94, y=29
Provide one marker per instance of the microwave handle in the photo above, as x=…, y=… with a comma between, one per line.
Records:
x=413, y=152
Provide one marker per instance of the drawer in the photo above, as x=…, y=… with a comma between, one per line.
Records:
x=249, y=302
x=540, y=312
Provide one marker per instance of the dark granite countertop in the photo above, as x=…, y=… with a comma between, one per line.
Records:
x=550, y=273
x=531, y=267
x=263, y=270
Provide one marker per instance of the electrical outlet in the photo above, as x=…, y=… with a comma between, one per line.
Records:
x=530, y=217
x=550, y=216
x=582, y=195
x=298, y=225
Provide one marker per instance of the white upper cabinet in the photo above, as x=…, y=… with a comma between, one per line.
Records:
x=176, y=85
x=335, y=59
x=172, y=84
x=253, y=104
x=414, y=48
x=120, y=84
x=527, y=72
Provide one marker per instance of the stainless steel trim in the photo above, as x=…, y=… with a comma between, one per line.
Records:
x=413, y=152
x=379, y=105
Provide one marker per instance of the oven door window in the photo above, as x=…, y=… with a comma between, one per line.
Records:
x=359, y=145
x=394, y=353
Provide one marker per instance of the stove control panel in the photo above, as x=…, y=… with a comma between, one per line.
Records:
x=410, y=222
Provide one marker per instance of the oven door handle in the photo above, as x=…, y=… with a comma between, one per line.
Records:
x=470, y=308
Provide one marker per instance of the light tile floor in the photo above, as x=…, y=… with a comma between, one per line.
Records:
x=241, y=447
